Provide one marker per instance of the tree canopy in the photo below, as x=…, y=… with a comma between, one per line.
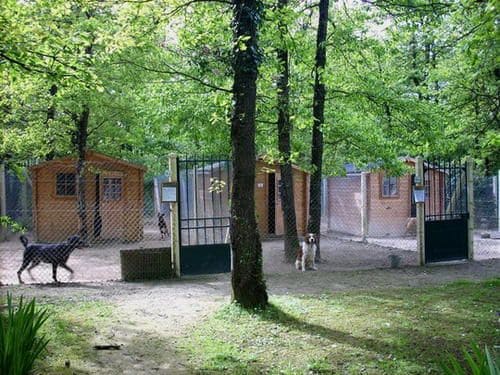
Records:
x=402, y=77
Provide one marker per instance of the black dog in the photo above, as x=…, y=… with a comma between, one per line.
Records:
x=57, y=254
x=162, y=224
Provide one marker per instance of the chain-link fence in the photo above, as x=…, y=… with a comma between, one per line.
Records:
x=373, y=214
x=486, y=218
x=109, y=204
x=368, y=219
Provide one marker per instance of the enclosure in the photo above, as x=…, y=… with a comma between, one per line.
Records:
x=386, y=203
x=136, y=224
x=112, y=204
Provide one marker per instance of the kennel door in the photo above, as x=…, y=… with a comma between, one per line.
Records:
x=112, y=198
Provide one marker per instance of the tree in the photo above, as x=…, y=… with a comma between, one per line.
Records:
x=314, y=223
x=284, y=142
x=249, y=288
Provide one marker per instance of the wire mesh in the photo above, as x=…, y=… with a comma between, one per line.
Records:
x=367, y=221
x=371, y=220
x=112, y=207
x=486, y=217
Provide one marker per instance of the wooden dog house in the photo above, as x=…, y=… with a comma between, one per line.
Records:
x=389, y=209
x=268, y=200
x=114, y=199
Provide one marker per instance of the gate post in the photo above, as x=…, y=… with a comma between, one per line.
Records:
x=470, y=206
x=364, y=206
x=3, y=200
x=174, y=217
x=419, y=175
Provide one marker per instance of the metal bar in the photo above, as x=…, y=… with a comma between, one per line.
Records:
x=465, y=192
x=204, y=195
x=210, y=227
x=175, y=214
x=207, y=218
x=433, y=210
x=212, y=198
x=195, y=198
x=220, y=198
x=229, y=184
x=187, y=202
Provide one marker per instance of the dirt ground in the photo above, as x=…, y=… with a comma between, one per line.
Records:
x=151, y=316
x=341, y=253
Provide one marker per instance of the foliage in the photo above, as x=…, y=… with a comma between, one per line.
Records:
x=20, y=341
x=9, y=223
x=479, y=362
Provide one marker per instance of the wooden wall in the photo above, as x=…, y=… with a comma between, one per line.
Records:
x=55, y=217
x=301, y=192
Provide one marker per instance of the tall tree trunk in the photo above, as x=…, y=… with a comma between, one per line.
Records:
x=314, y=224
x=80, y=142
x=284, y=135
x=249, y=288
x=51, y=115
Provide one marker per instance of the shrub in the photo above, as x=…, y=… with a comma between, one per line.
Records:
x=480, y=362
x=20, y=343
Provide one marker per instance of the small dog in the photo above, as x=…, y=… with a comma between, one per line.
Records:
x=307, y=253
x=57, y=254
x=162, y=224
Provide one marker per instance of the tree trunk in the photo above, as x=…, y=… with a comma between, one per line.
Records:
x=314, y=224
x=249, y=288
x=51, y=115
x=80, y=142
x=284, y=147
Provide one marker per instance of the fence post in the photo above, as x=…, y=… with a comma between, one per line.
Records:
x=470, y=206
x=419, y=176
x=364, y=206
x=3, y=200
x=174, y=218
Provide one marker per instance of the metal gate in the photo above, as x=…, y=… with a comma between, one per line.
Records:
x=204, y=214
x=446, y=213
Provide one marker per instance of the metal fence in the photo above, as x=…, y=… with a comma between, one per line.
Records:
x=368, y=219
x=486, y=217
x=119, y=209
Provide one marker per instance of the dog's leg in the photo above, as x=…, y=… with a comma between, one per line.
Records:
x=54, y=272
x=66, y=267
x=25, y=264
x=33, y=265
x=314, y=268
x=304, y=256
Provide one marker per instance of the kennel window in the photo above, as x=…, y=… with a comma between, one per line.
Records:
x=112, y=188
x=65, y=184
x=390, y=186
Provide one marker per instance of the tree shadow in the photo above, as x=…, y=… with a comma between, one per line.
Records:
x=415, y=346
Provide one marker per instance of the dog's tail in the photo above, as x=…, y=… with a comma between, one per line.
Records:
x=24, y=241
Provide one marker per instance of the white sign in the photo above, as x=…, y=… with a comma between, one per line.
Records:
x=169, y=192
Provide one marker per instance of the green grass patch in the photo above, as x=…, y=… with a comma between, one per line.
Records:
x=71, y=329
x=392, y=331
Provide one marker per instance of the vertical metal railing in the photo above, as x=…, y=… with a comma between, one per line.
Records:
x=447, y=190
x=204, y=216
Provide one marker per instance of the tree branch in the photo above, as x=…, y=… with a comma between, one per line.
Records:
x=173, y=71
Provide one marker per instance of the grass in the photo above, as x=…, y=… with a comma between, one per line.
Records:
x=71, y=329
x=392, y=331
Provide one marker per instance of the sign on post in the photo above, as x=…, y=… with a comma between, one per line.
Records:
x=169, y=192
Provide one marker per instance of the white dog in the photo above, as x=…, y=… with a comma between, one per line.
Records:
x=307, y=254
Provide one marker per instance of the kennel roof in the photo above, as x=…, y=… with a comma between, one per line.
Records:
x=90, y=156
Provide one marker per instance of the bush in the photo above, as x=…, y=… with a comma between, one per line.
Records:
x=480, y=362
x=20, y=344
